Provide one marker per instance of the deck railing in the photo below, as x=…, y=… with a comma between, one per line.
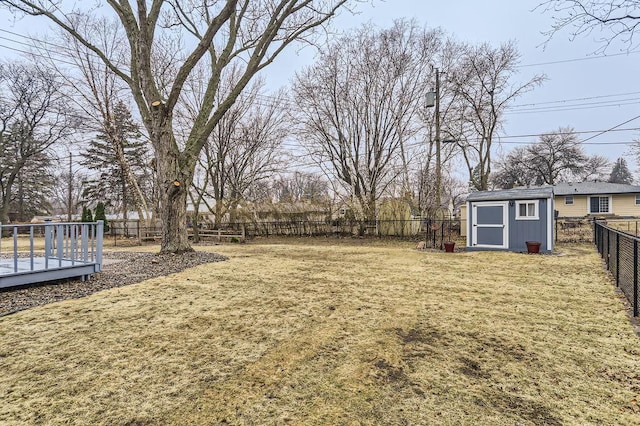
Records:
x=78, y=243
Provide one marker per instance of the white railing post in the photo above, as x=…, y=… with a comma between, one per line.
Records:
x=31, y=235
x=99, y=238
x=47, y=242
x=15, y=249
x=85, y=242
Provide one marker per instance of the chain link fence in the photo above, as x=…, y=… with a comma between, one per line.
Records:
x=619, y=250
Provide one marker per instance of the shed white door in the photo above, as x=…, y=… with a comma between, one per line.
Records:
x=491, y=224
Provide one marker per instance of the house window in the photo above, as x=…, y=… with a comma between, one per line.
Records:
x=527, y=210
x=568, y=200
x=637, y=199
x=599, y=205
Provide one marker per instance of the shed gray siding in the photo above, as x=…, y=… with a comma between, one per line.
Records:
x=518, y=231
x=521, y=231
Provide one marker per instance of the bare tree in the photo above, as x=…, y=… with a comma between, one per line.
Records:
x=32, y=119
x=515, y=170
x=250, y=33
x=243, y=149
x=556, y=157
x=68, y=189
x=485, y=85
x=596, y=168
x=301, y=187
x=617, y=20
x=452, y=192
x=359, y=104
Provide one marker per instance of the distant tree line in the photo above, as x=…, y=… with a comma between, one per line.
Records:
x=354, y=128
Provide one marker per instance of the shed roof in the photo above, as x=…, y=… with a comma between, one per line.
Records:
x=588, y=188
x=512, y=194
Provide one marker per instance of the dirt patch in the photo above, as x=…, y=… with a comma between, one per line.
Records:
x=532, y=411
x=389, y=373
x=418, y=335
x=472, y=368
x=496, y=346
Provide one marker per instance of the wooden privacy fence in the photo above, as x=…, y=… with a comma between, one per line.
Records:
x=69, y=250
x=620, y=253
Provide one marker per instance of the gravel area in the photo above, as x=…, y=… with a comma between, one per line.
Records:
x=119, y=269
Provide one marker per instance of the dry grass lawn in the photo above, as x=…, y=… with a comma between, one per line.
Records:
x=333, y=333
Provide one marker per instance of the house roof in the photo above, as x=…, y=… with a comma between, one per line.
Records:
x=512, y=194
x=589, y=188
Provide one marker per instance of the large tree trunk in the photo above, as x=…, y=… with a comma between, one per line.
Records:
x=173, y=200
x=219, y=213
x=173, y=205
x=174, y=176
x=4, y=212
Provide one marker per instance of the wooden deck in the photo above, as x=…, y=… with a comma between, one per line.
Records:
x=40, y=269
x=72, y=250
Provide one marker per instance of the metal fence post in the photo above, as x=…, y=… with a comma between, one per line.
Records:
x=608, y=249
x=635, y=278
x=617, y=259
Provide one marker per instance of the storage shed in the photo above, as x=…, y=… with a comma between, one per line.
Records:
x=507, y=219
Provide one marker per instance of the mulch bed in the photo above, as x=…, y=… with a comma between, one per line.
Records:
x=121, y=269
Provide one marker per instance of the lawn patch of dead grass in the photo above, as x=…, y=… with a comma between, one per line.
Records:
x=333, y=333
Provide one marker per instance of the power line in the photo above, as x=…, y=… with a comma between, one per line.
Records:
x=575, y=99
x=577, y=108
x=564, y=61
x=31, y=38
x=517, y=109
x=570, y=132
x=609, y=130
x=572, y=105
x=37, y=54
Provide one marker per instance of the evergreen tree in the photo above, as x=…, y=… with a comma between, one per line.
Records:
x=620, y=172
x=100, y=215
x=86, y=215
x=118, y=150
x=33, y=189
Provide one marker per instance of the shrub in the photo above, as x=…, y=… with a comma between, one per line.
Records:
x=100, y=215
x=86, y=215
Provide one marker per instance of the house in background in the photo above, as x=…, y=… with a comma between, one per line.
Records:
x=582, y=199
x=508, y=219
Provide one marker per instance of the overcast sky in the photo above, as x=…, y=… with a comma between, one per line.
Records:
x=586, y=91
x=579, y=89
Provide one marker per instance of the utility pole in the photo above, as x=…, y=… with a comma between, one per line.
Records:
x=70, y=190
x=438, y=148
x=433, y=99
